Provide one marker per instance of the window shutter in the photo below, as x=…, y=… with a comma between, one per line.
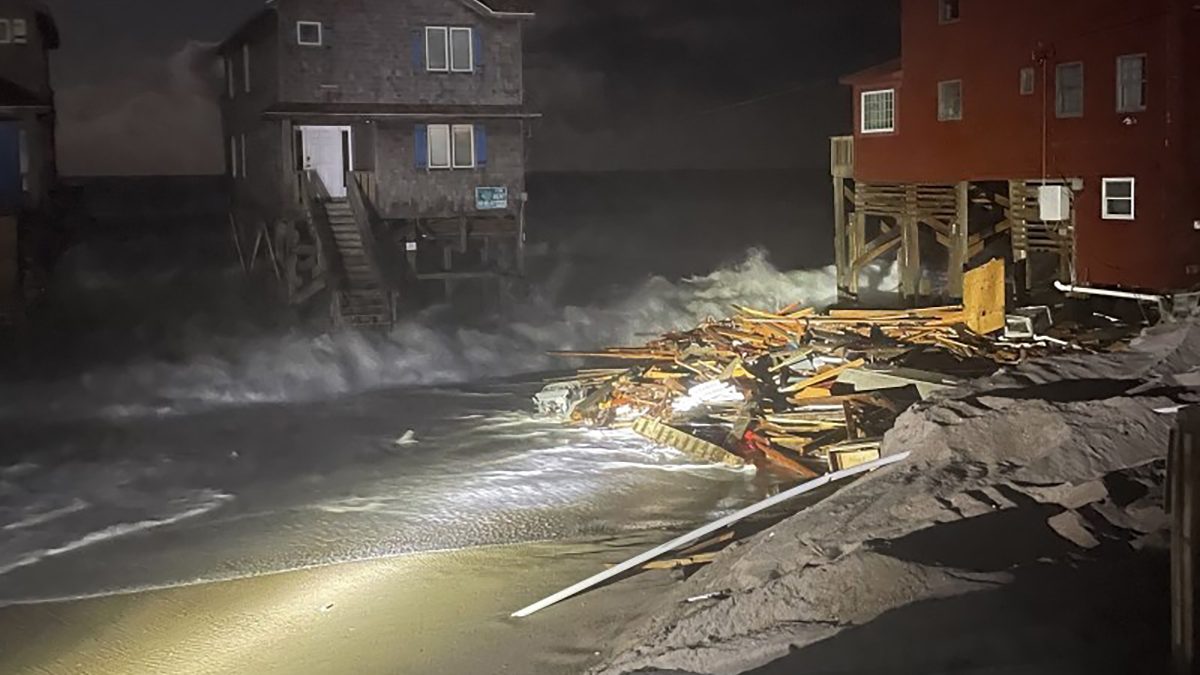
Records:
x=418, y=49
x=421, y=145
x=481, y=156
x=477, y=49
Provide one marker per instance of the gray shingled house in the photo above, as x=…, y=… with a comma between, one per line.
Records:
x=374, y=145
x=27, y=161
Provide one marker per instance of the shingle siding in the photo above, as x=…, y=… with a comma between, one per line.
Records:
x=368, y=55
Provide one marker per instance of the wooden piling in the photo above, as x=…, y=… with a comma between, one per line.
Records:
x=1184, y=485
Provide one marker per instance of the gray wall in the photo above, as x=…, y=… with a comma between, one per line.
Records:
x=27, y=64
x=405, y=190
x=368, y=54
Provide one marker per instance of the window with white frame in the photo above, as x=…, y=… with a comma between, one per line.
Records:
x=246, y=65
x=451, y=146
x=1119, y=202
x=310, y=33
x=1131, y=83
x=947, y=11
x=950, y=100
x=462, y=50
x=449, y=49
x=5, y=32
x=1028, y=81
x=439, y=146
x=464, y=146
x=879, y=111
x=437, y=49
x=1068, y=88
x=20, y=32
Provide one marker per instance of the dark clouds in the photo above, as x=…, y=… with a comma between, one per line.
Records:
x=622, y=83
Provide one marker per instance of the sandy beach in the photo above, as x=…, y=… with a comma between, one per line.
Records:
x=429, y=613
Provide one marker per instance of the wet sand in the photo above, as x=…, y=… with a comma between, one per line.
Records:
x=428, y=613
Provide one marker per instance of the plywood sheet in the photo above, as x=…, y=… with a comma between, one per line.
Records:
x=983, y=297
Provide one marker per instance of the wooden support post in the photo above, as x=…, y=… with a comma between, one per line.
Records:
x=448, y=266
x=910, y=248
x=959, y=241
x=521, y=236
x=858, y=241
x=839, y=232
x=1183, y=490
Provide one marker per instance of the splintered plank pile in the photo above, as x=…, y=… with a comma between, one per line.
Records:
x=761, y=387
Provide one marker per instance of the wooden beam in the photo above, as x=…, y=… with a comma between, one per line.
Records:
x=840, y=245
x=858, y=236
x=959, y=246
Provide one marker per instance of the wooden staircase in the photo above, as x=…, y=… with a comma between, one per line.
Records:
x=362, y=301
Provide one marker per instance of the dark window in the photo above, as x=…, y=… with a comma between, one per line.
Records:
x=1028, y=81
x=1068, y=87
x=947, y=11
x=1131, y=83
x=950, y=100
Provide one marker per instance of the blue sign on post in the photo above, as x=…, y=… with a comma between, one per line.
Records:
x=491, y=198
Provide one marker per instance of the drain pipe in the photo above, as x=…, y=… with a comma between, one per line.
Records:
x=1104, y=292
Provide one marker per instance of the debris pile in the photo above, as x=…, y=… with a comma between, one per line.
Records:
x=795, y=391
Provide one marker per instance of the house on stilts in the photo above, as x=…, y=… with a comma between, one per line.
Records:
x=1061, y=135
x=377, y=148
x=27, y=154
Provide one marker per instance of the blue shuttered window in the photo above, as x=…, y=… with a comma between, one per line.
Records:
x=421, y=146
x=477, y=50
x=481, y=152
x=418, y=49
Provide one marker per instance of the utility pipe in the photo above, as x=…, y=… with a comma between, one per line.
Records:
x=1104, y=292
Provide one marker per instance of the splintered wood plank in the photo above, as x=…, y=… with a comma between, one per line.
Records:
x=823, y=377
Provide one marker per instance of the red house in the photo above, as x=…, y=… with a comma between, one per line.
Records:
x=1064, y=134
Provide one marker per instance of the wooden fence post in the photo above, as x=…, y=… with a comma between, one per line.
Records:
x=1184, y=484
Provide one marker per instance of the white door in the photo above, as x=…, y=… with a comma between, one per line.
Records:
x=326, y=151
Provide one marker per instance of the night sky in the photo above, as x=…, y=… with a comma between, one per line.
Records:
x=623, y=84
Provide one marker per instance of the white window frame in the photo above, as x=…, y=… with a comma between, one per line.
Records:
x=891, y=128
x=454, y=145
x=1122, y=105
x=1132, y=199
x=428, y=47
x=470, y=49
x=233, y=157
x=5, y=32
x=301, y=25
x=944, y=116
x=1058, y=91
x=20, y=32
x=449, y=146
x=246, y=65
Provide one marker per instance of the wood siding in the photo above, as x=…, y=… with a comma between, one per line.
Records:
x=1001, y=134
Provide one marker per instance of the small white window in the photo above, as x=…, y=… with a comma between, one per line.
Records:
x=243, y=144
x=464, y=146
x=1069, y=90
x=310, y=33
x=1119, y=198
x=950, y=100
x=20, y=32
x=233, y=156
x=439, y=146
x=437, y=49
x=1131, y=83
x=5, y=32
x=246, y=65
x=462, y=50
x=947, y=11
x=1028, y=81
x=879, y=111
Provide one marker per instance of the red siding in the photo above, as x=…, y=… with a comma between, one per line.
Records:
x=1001, y=134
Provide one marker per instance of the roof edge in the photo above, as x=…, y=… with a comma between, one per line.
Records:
x=485, y=9
x=888, y=71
